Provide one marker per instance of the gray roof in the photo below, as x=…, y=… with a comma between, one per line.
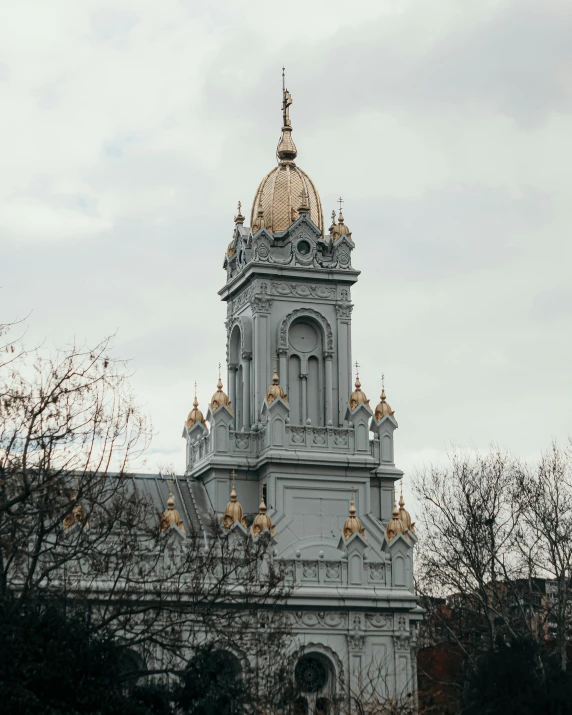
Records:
x=191, y=498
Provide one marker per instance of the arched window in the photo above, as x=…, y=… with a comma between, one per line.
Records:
x=315, y=679
x=306, y=371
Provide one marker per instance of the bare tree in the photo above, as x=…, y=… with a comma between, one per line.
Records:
x=544, y=493
x=469, y=523
x=73, y=527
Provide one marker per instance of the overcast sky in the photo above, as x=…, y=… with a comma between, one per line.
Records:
x=129, y=131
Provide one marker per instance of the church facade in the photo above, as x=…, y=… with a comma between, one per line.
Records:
x=295, y=448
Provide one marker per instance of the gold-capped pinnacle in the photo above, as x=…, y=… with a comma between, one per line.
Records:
x=286, y=151
x=239, y=218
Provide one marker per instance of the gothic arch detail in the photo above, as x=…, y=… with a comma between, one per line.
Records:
x=311, y=313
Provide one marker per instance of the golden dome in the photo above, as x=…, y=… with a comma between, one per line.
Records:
x=275, y=390
x=219, y=398
x=405, y=516
x=262, y=521
x=195, y=415
x=383, y=409
x=352, y=524
x=286, y=189
x=171, y=516
x=233, y=511
x=395, y=525
x=358, y=396
x=339, y=229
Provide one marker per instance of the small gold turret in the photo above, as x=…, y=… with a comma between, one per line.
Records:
x=233, y=511
x=262, y=521
x=357, y=397
x=353, y=523
x=275, y=390
x=220, y=398
x=259, y=220
x=395, y=525
x=339, y=229
x=383, y=409
x=195, y=415
x=171, y=516
x=405, y=516
x=76, y=516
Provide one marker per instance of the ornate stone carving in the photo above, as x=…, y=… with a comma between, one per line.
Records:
x=303, y=290
x=310, y=312
x=333, y=571
x=379, y=620
x=260, y=303
x=310, y=569
x=344, y=310
x=376, y=572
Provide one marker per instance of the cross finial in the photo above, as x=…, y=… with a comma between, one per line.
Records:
x=283, y=79
x=239, y=206
x=219, y=366
x=382, y=381
x=340, y=201
x=356, y=365
x=233, y=477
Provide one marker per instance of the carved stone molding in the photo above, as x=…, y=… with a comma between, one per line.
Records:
x=299, y=313
x=344, y=310
x=303, y=290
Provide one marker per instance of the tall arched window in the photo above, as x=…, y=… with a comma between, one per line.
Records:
x=306, y=372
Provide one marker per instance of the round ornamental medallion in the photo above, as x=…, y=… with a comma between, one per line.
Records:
x=311, y=674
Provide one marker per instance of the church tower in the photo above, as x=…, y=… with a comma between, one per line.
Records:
x=297, y=431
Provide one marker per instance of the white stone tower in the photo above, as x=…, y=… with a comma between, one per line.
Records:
x=292, y=429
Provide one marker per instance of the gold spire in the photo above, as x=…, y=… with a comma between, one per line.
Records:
x=339, y=229
x=383, y=409
x=195, y=415
x=220, y=398
x=286, y=151
x=171, y=516
x=404, y=515
x=262, y=520
x=275, y=390
x=352, y=523
x=239, y=218
x=233, y=511
x=395, y=525
x=259, y=221
x=358, y=396
x=333, y=226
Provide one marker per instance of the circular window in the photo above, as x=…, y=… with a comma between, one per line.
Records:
x=303, y=247
x=311, y=674
x=303, y=337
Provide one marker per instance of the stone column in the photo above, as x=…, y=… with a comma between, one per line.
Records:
x=232, y=368
x=261, y=306
x=329, y=396
x=304, y=390
x=283, y=369
x=344, y=311
x=246, y=419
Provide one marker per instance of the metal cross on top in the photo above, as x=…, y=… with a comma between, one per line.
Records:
x=356, y=365
x=233, y=476
x=340, y=201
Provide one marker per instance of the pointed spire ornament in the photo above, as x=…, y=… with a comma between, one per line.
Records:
x=275, y=390
x=383, y=409
x=286, y=151
x=358, y=396
x=395, y=525
x=220, y=398
x=404, y=515
x=352, y=523
x=340, y=229
x=195, y=415
x=171, y=516
x=233, y=511
x=239, y=218
x=262, y=520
